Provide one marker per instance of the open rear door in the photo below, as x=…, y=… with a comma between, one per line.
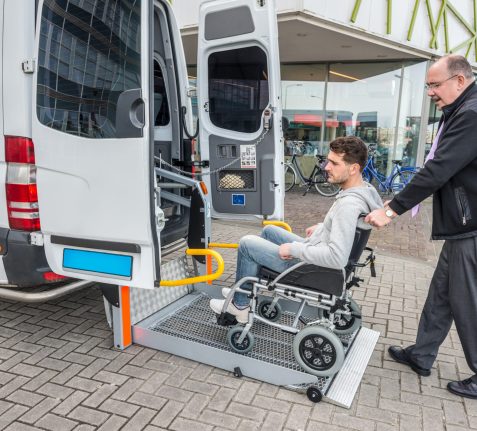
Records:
x=239, y=107
x=92, y=141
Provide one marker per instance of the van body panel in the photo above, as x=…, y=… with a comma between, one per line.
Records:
x=97, y=190
x=239, y=108
x=92, y=184
x=15, y=91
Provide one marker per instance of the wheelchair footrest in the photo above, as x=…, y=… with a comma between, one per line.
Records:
x=226, y=319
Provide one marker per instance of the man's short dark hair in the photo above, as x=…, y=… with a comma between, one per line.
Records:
x=458, y=65
x=353, y=148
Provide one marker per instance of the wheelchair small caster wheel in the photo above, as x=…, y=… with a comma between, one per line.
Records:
x=264, y=310
x=346, y=324
x=314, y=394
x=233, y=336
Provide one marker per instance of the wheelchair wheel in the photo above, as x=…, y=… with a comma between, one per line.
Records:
x=233, y=336
x=264, y=310
x=318, y=351
x=346, y=324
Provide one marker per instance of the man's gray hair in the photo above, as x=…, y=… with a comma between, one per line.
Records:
x=458, y=65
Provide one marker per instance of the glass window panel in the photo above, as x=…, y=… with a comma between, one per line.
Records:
x=161, y=106
x=363, y=100
x=412, y=97
x=238, y=88
x=303, y=93
x=79, y=94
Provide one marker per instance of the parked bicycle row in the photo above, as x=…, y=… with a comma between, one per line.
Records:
x=393, y=183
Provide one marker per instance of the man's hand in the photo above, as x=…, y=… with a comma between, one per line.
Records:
x=378, y=218
x=309, y=230
x=284, y=252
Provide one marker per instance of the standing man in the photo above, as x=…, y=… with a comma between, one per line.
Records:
x=450, y=175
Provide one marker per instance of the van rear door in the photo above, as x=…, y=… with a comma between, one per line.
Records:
x=239, y=107
x=91, y=132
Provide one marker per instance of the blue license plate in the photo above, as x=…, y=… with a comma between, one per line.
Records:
x=102, y=263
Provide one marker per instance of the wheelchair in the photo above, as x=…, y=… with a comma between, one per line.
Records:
x=317, y=339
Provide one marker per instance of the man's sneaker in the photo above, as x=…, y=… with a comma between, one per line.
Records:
x=240, y=315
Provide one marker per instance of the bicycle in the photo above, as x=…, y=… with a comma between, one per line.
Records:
x=394, y=182
x=317, y=178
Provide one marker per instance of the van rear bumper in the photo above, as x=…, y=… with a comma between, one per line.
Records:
x=24, y=263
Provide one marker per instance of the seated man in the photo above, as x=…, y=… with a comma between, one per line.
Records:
x=327, y=244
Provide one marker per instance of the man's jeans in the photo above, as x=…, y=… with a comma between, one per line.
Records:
x=256, y=251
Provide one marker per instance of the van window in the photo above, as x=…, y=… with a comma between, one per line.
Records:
x=238, y=88
x=161, y=107
x=89, y=53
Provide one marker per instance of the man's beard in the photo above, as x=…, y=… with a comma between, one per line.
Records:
x=337, y=181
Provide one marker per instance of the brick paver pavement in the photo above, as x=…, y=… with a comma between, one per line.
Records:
x=58, y=370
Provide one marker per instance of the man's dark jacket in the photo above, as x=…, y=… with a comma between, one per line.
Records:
x=452, y=175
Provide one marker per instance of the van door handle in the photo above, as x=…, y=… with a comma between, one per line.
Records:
x=130, y=114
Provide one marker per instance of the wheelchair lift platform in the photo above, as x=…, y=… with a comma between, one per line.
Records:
x=188, y=328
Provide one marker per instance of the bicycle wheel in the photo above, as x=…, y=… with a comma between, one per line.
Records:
x=401, y=179
x=323, y=187
x=290, y=177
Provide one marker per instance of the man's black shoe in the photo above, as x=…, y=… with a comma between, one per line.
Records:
x=400, y=355
x=465, y=388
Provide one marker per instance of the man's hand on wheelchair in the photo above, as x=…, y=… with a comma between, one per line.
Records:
x=309, y=230
x=284, y=252
x=378, y=218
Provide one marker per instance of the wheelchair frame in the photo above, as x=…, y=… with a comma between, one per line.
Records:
x=337, y=307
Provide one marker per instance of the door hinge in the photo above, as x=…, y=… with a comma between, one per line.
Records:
x=28, y=66
x=191, y=91
x=36, y=238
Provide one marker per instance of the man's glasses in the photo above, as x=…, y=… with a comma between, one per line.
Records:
x=434, y=85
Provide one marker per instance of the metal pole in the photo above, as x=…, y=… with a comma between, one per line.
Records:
x=396, y=133
x=421, y=146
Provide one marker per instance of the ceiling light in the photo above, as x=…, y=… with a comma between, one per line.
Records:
x=302, y=34
x=332, y=72
x=346, y=46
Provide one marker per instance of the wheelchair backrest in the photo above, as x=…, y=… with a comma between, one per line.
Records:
x=360, y=240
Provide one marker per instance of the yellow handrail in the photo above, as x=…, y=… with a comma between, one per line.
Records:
x=222, y=245
x=282, y=224
x=199, y=278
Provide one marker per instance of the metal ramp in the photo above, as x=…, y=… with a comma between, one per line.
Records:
x=188, y=328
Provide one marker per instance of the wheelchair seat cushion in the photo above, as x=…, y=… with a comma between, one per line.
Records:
x=312, y=277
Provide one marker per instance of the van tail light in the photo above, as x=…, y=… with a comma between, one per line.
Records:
x=53, y=276
x=21, y=191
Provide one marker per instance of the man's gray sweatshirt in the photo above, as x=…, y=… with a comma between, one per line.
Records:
x=331, y=242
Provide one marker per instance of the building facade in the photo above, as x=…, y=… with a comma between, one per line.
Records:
x=358, y=67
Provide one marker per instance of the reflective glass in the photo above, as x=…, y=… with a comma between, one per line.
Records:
x=90, y=52
x=362, y=101
x=238, y=88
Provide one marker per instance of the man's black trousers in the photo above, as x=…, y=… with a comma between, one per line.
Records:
x=452, y=297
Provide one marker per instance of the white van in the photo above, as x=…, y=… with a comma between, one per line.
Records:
x=95, y=96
